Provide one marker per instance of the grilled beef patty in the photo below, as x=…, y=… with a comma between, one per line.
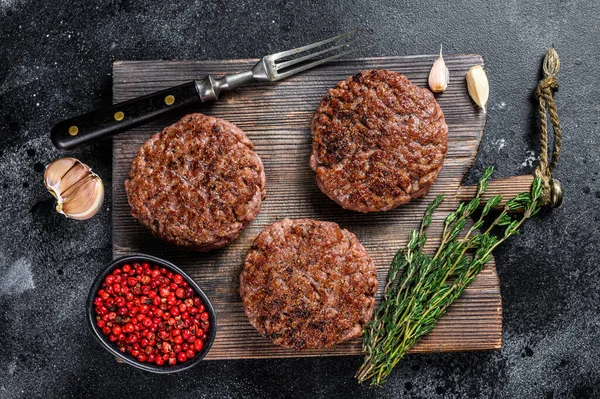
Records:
x=197, y=183
x=308, y=284
x=378, y=141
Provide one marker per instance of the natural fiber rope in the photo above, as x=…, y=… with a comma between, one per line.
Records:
x=547, y=106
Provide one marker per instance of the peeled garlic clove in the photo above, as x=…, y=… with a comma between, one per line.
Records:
x=478, y=85
x=83, y=199
x=439, y=75
x=79, y=191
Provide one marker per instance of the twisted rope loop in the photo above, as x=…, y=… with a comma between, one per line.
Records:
x=552, y=192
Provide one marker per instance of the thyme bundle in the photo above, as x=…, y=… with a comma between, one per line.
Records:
x=420, y=287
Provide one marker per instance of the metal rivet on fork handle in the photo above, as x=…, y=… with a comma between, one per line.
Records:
x=169, y=100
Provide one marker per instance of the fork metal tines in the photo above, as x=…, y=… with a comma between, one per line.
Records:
x=286, y=63
x=280, y=65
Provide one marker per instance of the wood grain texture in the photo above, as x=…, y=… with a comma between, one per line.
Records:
x=277, y=118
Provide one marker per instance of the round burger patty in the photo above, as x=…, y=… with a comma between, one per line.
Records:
x=308, y=284
x=197, y=183
x=378, y=141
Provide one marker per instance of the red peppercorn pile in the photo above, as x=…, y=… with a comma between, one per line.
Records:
x=152, y=314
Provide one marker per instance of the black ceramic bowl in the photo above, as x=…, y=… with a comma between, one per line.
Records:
x=127, y=358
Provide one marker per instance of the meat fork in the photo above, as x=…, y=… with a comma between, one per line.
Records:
x=103, y=123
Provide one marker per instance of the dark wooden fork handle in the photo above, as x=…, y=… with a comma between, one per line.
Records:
x=106, y=122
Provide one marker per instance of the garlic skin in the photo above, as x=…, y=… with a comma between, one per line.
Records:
x=439, y=77
x=78, y=190
x=478, y=85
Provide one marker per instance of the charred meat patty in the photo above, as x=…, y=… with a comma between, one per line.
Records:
x=378, y=141
x=197, y=183
x=308, y=284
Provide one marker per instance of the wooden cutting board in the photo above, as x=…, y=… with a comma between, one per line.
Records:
x=276, y=117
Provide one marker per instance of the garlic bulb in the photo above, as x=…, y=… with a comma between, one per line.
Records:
x=79, y=191
x=439, y=75
x=478, y=85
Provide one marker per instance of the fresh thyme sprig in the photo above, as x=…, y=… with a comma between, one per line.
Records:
x=420, y=287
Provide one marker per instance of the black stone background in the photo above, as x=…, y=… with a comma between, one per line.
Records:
x=56, y=61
